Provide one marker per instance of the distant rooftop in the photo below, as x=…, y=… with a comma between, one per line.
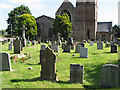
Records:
x=104, y=26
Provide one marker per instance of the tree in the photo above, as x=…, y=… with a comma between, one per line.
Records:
x=30, y=23
x=116, y=31
x=13, y=17
x=62, y=25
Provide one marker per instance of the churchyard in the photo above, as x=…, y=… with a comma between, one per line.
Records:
x=26, y=71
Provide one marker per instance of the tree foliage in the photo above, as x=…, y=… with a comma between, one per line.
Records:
x=30, y=23
x=116, y=31
x=13, y=17
x=62, y=25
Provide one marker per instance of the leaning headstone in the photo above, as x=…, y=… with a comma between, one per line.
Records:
x=113, y=48
x=48, y=69
x=76, y=73
x=91, y=43
x=109, y=76
x=77, y=49
x=17, y=46
x=99, y=45
x=67, y=48
x=83, y=52
x=5, y=62
x=10, y=47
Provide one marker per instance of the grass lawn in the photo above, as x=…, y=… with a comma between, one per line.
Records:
x=24, y=78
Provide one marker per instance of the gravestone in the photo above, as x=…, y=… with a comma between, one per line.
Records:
x=55, y=48
x=63, y=45
x=109, y=76
x=77, y=49
x=43, y=47
x=5, y=62
x=107, y=45
x=113, y=48
x=67, y=48
x=91, y=43
x=33, y=42
x=111, y=43
x=21, y=44
x=48, y=65
x=10, y=47
x=99, y=45
x=83, y=52
x=17, y=46
x=76, y=73
x=70, y=41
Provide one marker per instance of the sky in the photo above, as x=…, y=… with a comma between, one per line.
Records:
x=107, y=9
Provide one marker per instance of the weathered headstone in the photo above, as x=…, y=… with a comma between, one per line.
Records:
x=10, y=47
x=83, y=52
x=5, y=62
x=109, y=76
x=91, y=43
x=48, y=69
x=113, y=48
x=17, y=46
x=77, y=49
x=67, y=48
x=99, y=45
x=76, y=73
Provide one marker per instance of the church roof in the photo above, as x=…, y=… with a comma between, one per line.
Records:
x=50, y=18
x=104, y=26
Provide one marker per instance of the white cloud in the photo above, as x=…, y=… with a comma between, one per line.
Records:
x=5, y=6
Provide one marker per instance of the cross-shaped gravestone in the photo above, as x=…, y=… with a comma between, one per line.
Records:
x=48, y=65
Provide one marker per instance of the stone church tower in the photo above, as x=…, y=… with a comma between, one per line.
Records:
x=83, y=18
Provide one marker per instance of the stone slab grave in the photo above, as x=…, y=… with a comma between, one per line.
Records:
x=10, y=47
x=76, y=73
x=67, y=48
x=5, y=62
x=109, y=76
x=17, y=46
x=83, y=52
x=99, y=45
x=91, y=43
x=77, y=49
x=48, y=65
x=113, y=48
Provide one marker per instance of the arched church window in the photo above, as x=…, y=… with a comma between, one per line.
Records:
x=66, y=12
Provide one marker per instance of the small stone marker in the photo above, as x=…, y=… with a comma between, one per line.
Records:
x=99, y=45
x=67, y=48
x=76, y=73
x=17, y=46
x=10, y=47
x=48, y=65
x=91, y=43
x=55, y=48
x=77, y=49
x=5, y=62
x=83, y=52
x=113, y=48
x=109, y=76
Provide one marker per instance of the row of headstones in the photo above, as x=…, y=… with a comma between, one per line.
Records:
x=110, y=74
